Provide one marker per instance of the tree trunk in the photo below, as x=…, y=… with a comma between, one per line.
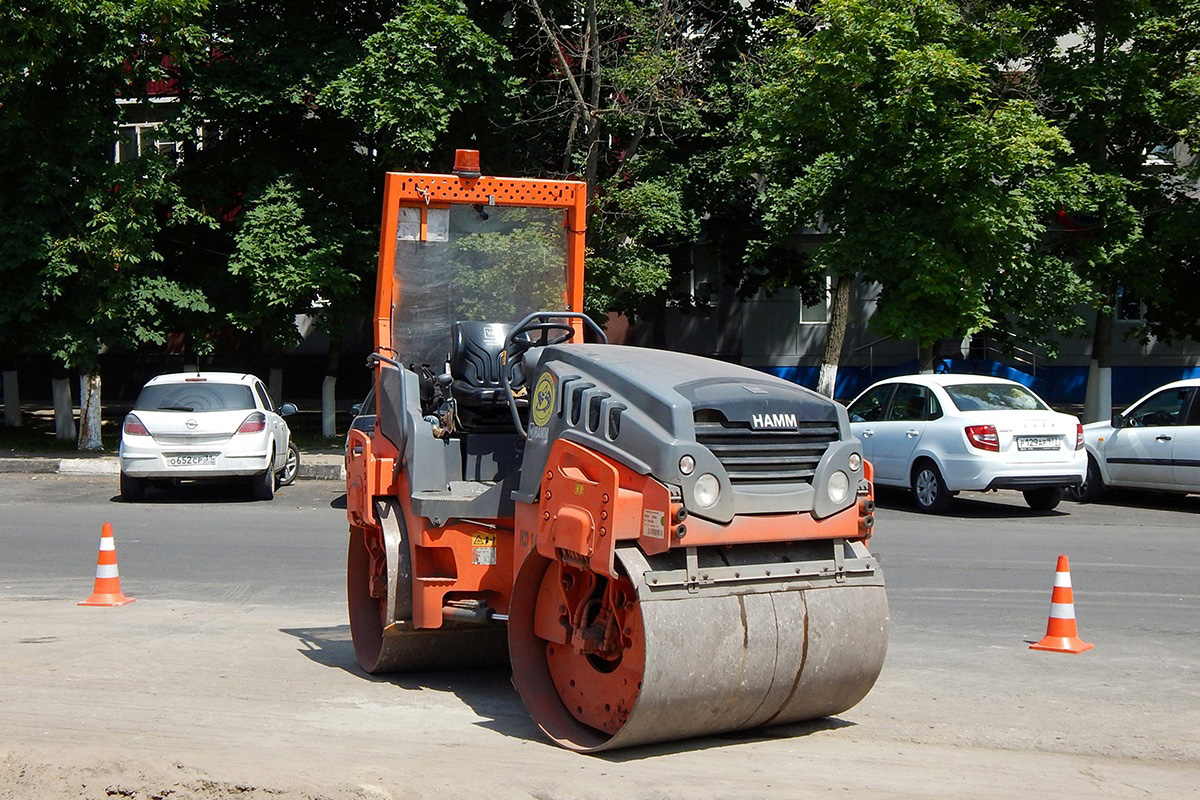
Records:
x=926, y=356
x=64, y=410
x=12, y=399
x=328, y=390
x=275, y=383
x=89, y=410
x=839, y=320
x=1098, y=403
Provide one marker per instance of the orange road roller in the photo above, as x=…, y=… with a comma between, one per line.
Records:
x=659, y=545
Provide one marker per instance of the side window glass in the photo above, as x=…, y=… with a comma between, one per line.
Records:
x=1158, y=410
x=1193, y=417
x=870, y=406
x=909, y=403
x=264, y=397
x=935, y=408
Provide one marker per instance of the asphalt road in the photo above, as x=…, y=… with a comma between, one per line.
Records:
x=241, y=604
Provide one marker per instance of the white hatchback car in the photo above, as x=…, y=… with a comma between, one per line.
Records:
x=196, y=425
x=942, y=434
x=1153, y=444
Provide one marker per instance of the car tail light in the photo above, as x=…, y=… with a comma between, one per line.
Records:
x=195, y=380
x=1078, y=436
x=984, y=437
x=254, y=423
x=133, y=426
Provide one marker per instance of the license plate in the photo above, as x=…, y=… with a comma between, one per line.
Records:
x=1038, y=442
x=197, y=460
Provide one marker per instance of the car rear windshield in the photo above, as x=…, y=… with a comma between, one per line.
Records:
x=195, y=396
x=994, y=397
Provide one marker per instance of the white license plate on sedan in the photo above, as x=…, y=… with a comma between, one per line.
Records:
x=1038, y=442
x=194, y=460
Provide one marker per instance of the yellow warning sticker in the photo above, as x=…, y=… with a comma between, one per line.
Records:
x=543, y=400
x=484, y=540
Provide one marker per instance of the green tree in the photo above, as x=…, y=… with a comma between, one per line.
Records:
x=630, y=96
x=77, y=231
x=894, y=129
x=1122, y=80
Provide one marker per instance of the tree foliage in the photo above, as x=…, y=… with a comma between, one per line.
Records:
x=1121, y=78
x=891, y=128
x=78, y=232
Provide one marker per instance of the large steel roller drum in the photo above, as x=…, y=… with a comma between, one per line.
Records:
x=776, y=637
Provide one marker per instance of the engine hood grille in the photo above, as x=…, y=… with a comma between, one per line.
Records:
x=752, y=456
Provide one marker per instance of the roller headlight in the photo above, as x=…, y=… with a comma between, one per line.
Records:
x=687, y=464
x=838, y=487
x=855, y=462
x=707, y=490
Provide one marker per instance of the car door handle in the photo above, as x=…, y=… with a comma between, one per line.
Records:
x=1162, y=437
x=911, y=432
x=868, y=433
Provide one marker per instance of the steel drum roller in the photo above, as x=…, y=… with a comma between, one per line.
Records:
x=719, y=659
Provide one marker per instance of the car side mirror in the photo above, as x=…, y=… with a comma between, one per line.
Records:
x=1118, y=421
x=287, y=409
x=356, y=409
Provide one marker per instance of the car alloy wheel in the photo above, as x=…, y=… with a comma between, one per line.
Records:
x=291, y=467
x=929, y=488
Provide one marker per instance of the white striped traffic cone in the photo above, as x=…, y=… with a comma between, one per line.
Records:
x=107, y=589
x=1061, y=634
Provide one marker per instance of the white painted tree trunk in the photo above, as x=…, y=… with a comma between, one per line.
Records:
x=12, y=399
x=275, y=383
x=827, y=379
x=835, y=337
x=89, y=411
x=64, y=411
x=328, y=407
x=1098, y=404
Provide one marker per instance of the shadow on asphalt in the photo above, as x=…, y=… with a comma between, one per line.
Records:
x=971, y=505
x=491, y=695
x=205, y=491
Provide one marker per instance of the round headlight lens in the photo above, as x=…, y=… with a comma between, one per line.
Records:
x=839, y=487
x=707, y=490
x=855, y=462
x=687, y=464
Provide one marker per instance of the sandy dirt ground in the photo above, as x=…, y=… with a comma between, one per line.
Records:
x=213, y=700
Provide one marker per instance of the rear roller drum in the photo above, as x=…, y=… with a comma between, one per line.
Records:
x=384, y=640
x=601, y=664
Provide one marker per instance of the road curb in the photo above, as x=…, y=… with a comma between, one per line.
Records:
x=333, y=471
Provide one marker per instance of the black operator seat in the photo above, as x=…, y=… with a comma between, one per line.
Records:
x=475, y=366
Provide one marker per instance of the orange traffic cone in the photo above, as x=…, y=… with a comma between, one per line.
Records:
x=1061, y=635
x=107, y=590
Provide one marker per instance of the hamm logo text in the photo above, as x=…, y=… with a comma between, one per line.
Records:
x=759, y=421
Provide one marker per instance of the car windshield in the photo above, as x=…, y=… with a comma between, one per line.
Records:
x=994, y=397
x=195, y=396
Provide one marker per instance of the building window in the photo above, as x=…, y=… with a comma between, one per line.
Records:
x=1129, y=306
x=818, y=313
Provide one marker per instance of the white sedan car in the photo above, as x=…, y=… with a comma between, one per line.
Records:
x=196, y=425
x=942, y=434
x=1153, y=444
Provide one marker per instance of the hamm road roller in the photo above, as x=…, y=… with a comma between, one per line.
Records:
x=660, y=545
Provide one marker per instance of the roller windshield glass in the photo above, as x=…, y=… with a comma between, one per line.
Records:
x=483, y=263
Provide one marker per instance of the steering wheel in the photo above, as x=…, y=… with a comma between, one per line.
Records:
x=540, y=329
x=547, y=333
